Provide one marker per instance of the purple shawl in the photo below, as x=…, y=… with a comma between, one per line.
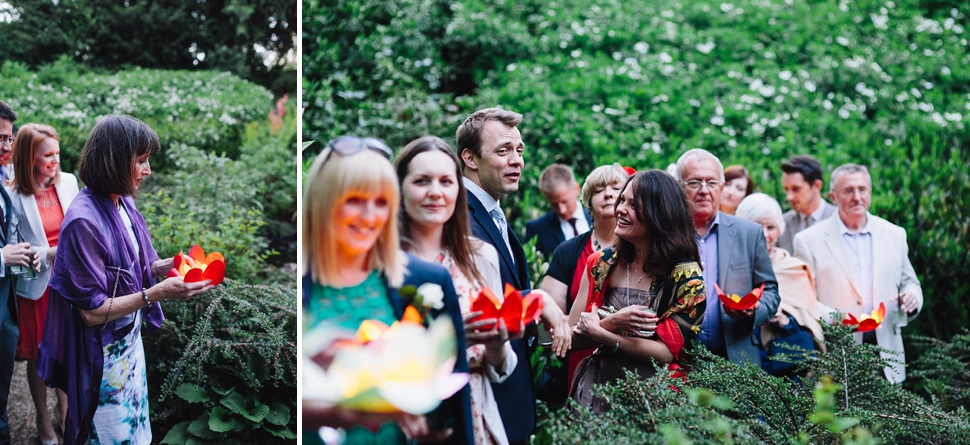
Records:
x=93, y=244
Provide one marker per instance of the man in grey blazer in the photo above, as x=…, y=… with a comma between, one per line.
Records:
x=802, y=179
x=860, y=260
x=733, y=254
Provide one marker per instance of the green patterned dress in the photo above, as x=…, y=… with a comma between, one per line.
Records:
x=346, y=308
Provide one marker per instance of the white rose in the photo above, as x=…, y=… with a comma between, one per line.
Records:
x=432, y=296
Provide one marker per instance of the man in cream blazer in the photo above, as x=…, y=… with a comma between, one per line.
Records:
x=860, y=260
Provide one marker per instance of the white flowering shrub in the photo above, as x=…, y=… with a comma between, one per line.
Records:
x=198, y=108
x=877, y=82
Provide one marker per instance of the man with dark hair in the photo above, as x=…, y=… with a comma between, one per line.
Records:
x=10, y=255
x=567, y=218
x=802, y=179
x=7, y=132
x=491, y=147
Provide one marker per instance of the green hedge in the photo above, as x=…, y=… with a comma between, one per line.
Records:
x=198, y=108
x=843, y=398
x=885, y=84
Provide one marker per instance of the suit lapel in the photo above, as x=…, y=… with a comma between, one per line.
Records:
x=882, y=280
x=394, y=297
x=835, y=244
x=725, y=246
x=485, y=221
x=32, y=214
x=555, y=228
x=7, y=214
x=63, y=195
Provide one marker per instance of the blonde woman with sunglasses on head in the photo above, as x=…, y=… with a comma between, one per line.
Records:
x=353, y=269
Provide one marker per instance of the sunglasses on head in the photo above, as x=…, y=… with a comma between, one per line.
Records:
x=351, y=145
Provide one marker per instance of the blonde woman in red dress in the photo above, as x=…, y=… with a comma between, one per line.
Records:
x=40, y=194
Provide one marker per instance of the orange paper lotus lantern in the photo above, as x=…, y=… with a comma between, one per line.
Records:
x=867, y=322
x=740, y=303
x=371, y=330
x=196, y=266
x=513, y=310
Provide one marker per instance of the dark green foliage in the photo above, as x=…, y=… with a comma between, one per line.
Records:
x=202, y=109
x=942, y=372
x=224, y=366
x=843, y=399
x=166, y=34
x=883, y=84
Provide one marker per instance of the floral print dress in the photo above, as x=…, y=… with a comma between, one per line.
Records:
x=486, y=421
x=122, y=414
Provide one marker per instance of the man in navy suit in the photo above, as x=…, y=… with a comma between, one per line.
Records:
x=567, y=218
x=490, y=146
x=10, y=255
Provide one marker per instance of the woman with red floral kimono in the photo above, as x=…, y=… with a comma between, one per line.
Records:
x=641, y=302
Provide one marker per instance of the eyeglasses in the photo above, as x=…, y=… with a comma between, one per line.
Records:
x=351, y=145
x=6, y=139
x=696, y=185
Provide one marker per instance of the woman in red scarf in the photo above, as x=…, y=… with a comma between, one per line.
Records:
x=642, y=301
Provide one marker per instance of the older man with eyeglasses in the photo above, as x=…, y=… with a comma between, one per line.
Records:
x=733, y=254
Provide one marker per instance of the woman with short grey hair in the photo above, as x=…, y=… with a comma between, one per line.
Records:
x=797, y=319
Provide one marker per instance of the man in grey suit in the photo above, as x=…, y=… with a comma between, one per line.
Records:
x=802, y=179
x=733, y=254
x=10, y=255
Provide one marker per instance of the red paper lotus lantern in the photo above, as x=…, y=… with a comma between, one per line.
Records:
x=867, y=322
x=513, y=310
x=740, y=303
x=196, y=266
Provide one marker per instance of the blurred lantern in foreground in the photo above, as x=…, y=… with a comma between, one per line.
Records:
x=515, y=310
x=867, y=322
x=740, y=303
x=196, y=266
x=402, y=368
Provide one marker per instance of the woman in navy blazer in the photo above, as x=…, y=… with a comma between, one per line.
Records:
x=354, y=270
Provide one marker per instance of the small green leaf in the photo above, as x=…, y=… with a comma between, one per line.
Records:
x=221, y=420
x=178, y=435
x=234, y=401
x=280, y=431
x=257, y=414
x=191, y=393
x=279, y=414
x=200, y=427
x=408, y=293
x=306, y=144
x=223, y=392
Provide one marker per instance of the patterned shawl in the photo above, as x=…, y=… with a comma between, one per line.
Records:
x=680, y=299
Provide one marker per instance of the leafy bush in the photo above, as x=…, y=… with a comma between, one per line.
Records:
x=843, y=399
x=885, y=84
x=941, y=372
x=198, y=108
x=208, y=200
x=223, y=367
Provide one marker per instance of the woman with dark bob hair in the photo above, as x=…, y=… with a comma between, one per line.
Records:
x=101, y=290
x=641, y=301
